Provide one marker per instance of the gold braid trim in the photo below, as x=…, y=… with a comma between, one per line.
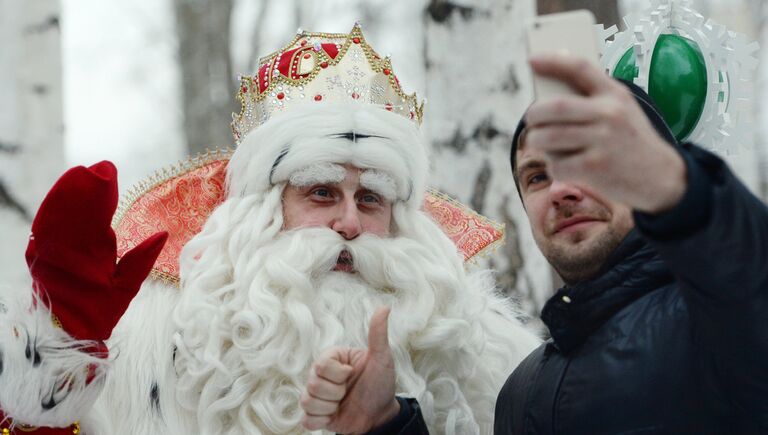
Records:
x=75, y=427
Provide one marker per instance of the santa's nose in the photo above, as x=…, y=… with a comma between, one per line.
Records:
x=347, y=222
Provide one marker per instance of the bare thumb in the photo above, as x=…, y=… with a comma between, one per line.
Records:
x=378, y=336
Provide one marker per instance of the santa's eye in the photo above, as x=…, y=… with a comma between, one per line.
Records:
x=321, y=192
x=371, y=198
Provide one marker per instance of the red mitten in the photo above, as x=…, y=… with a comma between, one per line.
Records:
x=72, y=254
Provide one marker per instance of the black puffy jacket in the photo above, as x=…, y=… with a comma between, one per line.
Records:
x=671, y=337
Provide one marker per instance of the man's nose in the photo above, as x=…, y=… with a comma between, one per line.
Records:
x=561, y=193
x=347, y=221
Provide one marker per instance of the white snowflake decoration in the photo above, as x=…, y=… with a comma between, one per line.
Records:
x=730, y=60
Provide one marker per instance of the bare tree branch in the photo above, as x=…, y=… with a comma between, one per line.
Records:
x=51, y=21
x=8, y=201
x=8, y=148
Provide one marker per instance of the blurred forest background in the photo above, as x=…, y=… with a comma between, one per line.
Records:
x=145, y=83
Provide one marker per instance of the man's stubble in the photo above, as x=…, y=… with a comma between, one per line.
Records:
x=578, y=257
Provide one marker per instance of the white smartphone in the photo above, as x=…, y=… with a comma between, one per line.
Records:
x=572, y=32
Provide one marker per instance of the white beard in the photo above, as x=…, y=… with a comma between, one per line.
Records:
x=259, y=306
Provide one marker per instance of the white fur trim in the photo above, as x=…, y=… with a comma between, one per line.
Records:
x=307, y=135
x=140, y=392
x=319, y=173
x=38, y=360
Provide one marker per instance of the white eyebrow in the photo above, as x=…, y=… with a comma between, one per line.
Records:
x=379, y=182
x=317, y=174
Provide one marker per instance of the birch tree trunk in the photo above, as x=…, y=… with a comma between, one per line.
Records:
x=208, y=83
x=761, y=13
x=31, y=127
x=478, y=86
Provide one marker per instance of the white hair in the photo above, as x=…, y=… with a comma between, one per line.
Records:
x=318, y=173
x=313, y=133
x=258, y=306
x=379, y=182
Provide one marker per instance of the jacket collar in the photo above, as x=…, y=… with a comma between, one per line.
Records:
x=574, y=312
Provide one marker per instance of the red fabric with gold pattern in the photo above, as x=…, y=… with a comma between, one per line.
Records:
x=181, y=202
x=5, y=428
x=469, y=231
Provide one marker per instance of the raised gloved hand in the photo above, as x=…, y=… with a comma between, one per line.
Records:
x=72, y=254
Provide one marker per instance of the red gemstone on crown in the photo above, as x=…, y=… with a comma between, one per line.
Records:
x=388, y=106
x=280, y=96
x=355, y=95
x=303, y=42
x=245, y=89
x=386, y=71
x=356, y=40
x=318, y=97
x=307, y=56
x=324, y=65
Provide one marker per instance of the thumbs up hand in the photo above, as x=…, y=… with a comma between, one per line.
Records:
x=352, y=390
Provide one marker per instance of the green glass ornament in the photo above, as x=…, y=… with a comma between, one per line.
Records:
x=627, y=68
x=677, y=81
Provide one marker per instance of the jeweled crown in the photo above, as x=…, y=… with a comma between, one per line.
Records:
x=316, y=68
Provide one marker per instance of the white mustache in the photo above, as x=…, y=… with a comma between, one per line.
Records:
x=316, y=251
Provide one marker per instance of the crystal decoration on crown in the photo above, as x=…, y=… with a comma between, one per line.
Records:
x=317, y=68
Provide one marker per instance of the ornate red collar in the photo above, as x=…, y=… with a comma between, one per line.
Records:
x=181, y=199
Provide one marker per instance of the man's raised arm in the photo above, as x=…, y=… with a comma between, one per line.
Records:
x=709, y=229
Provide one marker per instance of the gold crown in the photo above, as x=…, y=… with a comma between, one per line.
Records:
x=316, y=68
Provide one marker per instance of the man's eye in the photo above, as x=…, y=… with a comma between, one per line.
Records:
x=536, y=179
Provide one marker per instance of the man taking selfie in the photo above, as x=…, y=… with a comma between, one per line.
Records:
x=661, y=326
